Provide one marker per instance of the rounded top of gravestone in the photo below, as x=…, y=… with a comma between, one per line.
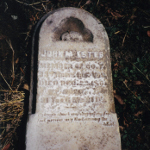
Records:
x=73, y=25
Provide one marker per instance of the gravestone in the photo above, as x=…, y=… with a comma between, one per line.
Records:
x=74, y=101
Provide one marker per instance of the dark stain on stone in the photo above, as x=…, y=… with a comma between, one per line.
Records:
x=72, y=24
x=49, y=22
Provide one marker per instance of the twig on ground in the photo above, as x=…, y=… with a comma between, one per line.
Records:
x=5, y=81
x=28, y=34
x=87, y=3
x=146, y=27
x=125, y=36
x=32, y=4
x=36, y=8
x=44, y=7
x=125, y=83
x=141, y=73
x=1, y=86
x=21, y=79
x=79, y=3
x=97, y=2
x=144, y=11
x=13, y=64
x=133, y=12
x=36, y=3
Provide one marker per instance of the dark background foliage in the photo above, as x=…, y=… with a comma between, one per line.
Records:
x=127, y=23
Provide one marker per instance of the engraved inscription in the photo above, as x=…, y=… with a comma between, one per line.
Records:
x=75, y=88
x=72, y=54
x=102, y=118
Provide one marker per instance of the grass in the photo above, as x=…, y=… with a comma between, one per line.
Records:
x=127, y=24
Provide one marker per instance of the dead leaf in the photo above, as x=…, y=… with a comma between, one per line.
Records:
x=139, y=139
x=128, y=21
x=148, y=33
x=117, y=32
x=135, y=93
x=124, y=122
x=88, y=2
x=114, y=91
x=108, y=22
x=114, y=14
x=22, y=70
x=134, y=10
x=125, y=81
x=108, y=10
x=26, y=86
x=6, y=147
x=132, y=22
x=138, y=113
x=17, y=60
x=137, y=82
x=2, y=37
x=117, y=14
x=133, y=16
x=8, y=127
x=119, y=99
x=121, y=128
x=116, y=64
x=117, y=55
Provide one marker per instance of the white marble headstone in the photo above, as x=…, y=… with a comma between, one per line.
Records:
x=74, y=106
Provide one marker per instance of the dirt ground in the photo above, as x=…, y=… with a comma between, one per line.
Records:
x=128, y=26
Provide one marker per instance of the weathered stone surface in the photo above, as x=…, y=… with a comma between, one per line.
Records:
x=74, y=105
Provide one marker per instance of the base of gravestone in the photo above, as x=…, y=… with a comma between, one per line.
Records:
x=72, y=135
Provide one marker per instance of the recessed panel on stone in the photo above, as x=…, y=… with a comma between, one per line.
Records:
x=74, y=101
